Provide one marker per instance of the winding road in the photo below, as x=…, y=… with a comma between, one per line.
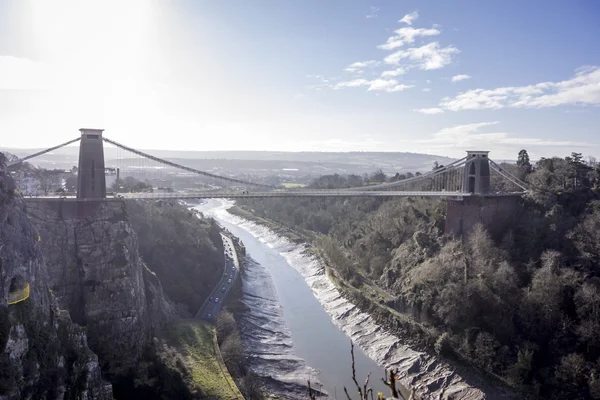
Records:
x=212, y=306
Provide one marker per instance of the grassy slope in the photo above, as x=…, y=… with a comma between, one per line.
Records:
x=291, y=185
x=196, y=342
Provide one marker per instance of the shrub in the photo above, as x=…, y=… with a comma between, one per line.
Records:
x=443, y=345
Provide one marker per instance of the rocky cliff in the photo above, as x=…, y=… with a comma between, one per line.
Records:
x=42, y=353
x=96, y=273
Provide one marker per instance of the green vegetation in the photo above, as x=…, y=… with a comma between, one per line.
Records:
x=291, y=185
x=522, y=306
x=130, y=184
x=233, y=354
x=181, y=247
x=194, y=351
x=185, y=251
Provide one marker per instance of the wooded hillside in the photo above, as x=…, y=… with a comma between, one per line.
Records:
x=524, y=307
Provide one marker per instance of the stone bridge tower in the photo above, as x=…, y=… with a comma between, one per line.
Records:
x=494, y=211
x=476, y=178
x=91, y=182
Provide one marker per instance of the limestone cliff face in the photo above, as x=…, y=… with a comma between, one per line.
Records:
x=42, y=353
x=95, y=273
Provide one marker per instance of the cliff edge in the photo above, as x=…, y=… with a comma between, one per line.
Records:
x=42, y=353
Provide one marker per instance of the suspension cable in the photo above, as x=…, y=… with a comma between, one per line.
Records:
x=183, y=167
x=453, y=165
x=39, y=153
x=509, y=176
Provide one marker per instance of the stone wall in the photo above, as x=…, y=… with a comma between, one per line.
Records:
x=496, y=213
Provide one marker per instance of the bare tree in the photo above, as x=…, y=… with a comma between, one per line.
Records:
x=48, y=180
x=365, y=392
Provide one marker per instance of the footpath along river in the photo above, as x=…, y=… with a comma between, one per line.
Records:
x=298, y=327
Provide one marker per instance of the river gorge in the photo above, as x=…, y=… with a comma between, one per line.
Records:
x=298, y=326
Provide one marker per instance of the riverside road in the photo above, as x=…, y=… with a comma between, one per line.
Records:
x=212, y=306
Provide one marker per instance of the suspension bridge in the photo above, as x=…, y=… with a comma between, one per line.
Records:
x=138, y=175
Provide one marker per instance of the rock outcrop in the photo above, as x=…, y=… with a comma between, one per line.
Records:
x=43, y=354
x=96, y=273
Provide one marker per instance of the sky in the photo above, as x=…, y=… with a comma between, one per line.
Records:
x=427, y=76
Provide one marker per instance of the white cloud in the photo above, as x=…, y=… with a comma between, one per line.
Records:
x=582, y=89
x=430, y=56
x=393, y=72
x=409, y=18
x=353, y=83
x=427, y=57
x=359, y=66
x=407, y=35
x=323, y=82
x=469, y=136
x=429, y=111
x=372, y=12
x=461, y=77
x=387, y=85
x=427, y=89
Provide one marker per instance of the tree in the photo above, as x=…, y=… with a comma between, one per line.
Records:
x=523, y=160
x=48, y=180
x=523, y=163
x=130, y=185
x=586, y=238
x=578, y=170
x=378, y=176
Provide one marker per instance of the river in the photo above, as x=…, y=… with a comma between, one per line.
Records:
x=288, y=333
x=298, y=326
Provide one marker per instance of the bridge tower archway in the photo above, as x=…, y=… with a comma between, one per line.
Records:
x=477, y=173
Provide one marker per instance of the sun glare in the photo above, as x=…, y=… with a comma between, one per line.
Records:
x=97, y=55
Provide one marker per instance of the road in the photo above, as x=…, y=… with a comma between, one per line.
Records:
x=212, y=306
x=272, y=194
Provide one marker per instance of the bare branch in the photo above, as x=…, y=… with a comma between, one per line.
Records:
x=360, y=392
x=347, y=395
x=365, y=387
x=391, y=383
x=369, y=390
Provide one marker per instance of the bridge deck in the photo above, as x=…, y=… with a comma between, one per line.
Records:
x=250, y=195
